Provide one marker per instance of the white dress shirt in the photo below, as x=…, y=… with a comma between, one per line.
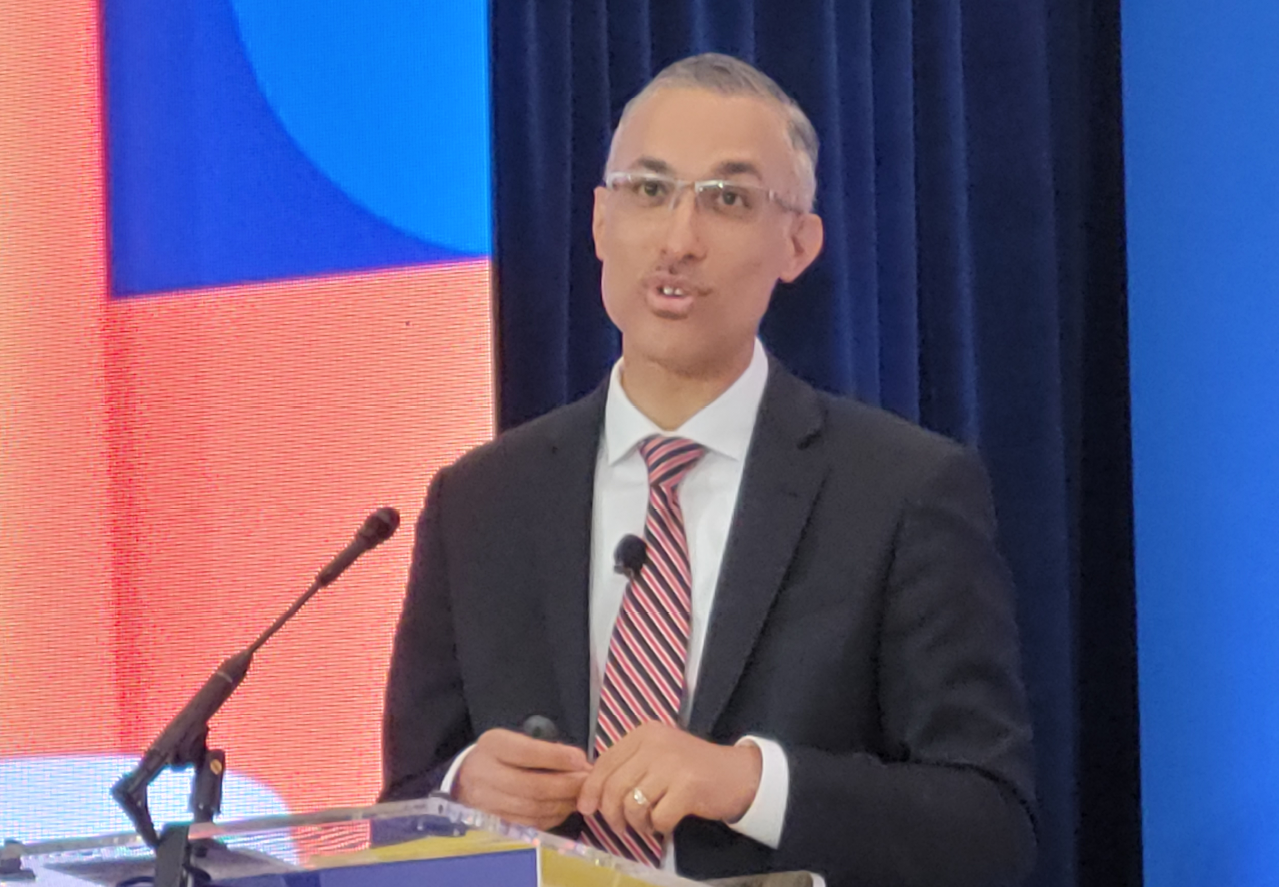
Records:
x=708, y=496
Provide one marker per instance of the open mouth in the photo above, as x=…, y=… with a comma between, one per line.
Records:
x=670, y=300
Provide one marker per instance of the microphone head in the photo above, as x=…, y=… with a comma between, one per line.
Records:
x=630, y=555
x=380, y=525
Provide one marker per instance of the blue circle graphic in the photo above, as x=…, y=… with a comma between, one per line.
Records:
x=389, y=99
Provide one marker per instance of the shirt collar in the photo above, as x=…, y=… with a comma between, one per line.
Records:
x=724, y=425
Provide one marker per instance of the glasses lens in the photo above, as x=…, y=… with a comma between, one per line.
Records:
x=729, y=200
x=644, y=191
x=726, y=200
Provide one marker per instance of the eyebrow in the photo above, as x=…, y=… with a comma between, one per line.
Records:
x=652, y=164
x=723, y=170
x=737, y=168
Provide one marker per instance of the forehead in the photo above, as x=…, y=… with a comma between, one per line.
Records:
x=696, y=131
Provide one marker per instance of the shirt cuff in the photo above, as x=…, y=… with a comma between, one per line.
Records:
x=450, y=776
x=763, y=819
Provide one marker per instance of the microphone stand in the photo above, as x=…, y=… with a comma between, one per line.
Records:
x=184, y=742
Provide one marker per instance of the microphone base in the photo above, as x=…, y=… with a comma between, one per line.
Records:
x=206, y=786
x=173, y=858
x=205, y=802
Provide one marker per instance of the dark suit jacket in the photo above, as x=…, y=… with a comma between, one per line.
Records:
x=863, y=619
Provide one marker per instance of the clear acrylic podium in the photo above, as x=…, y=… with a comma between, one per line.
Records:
x=426, y=843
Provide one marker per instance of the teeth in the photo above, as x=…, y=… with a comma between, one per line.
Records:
x=671, y=291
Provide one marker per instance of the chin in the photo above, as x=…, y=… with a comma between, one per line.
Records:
x=693, y=359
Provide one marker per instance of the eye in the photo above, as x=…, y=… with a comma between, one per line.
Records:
x=733, y=197
x=651, y=189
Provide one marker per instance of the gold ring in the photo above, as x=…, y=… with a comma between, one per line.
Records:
x=639, y=797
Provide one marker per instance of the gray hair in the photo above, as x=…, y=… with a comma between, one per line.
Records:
x=729, y=76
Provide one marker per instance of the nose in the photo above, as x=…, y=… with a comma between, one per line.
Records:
x=683, y=233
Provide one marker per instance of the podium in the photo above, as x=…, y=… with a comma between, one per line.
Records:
x=432, y=842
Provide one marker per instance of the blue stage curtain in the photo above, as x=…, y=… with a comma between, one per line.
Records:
x=972, y=280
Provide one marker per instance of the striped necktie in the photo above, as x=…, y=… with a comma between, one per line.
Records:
x=644, y=674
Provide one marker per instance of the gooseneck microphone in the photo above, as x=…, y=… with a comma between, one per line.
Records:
x=184, y=740
x=376, y=529
x=630, y=556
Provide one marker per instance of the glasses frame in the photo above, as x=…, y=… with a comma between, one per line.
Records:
x=697, y=186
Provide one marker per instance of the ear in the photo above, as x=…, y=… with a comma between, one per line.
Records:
x=597, y=219
x=807, y=235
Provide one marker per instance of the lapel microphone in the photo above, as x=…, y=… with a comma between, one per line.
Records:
x=630, y=556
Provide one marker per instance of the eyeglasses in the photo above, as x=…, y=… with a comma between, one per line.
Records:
x=730, y=200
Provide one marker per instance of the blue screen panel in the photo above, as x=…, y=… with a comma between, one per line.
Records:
x=1202, y=155
x=252, y=141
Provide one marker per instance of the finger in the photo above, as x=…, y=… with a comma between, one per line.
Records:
x=669, y=810
x=538, y=785
x=617, y=804
x=484, y=779
x=521, y=810
x=588, y=801
x=640, y=815
x=518, y=750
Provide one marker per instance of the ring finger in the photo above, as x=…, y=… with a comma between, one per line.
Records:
x=638, y=804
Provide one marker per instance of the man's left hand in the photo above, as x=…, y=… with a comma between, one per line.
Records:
x=658, y=774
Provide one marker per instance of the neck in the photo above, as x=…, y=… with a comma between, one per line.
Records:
x=670, y=397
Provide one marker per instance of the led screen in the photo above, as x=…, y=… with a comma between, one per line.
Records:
x=244, y=300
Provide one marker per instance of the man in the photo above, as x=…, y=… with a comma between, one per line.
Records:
x=813, y=662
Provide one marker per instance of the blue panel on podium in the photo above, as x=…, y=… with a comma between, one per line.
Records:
x=511, y=868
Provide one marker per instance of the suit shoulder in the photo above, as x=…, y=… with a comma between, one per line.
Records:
x=870, y=426
x=887, y=458
x=895, y=452
x=511, y=448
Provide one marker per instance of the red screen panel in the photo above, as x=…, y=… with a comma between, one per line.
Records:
x=175, y=469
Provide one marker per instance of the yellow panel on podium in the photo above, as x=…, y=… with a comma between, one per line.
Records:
x=431, y=841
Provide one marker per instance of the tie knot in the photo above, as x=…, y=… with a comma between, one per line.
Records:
x=669, y=459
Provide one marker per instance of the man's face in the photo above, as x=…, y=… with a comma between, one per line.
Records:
x=688, y=286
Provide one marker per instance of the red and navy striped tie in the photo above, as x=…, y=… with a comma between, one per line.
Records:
x=644, y=675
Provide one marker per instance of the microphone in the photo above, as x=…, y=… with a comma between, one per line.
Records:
x=630, y=556
x=377, y=528
x=183, y=741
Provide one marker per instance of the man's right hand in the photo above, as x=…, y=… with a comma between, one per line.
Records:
x=523, y=780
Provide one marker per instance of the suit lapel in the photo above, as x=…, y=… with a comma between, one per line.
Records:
x=779, y=485
x=562, y=545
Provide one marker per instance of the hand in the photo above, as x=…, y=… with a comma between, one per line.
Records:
x=679, y=775
x=523, y=780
